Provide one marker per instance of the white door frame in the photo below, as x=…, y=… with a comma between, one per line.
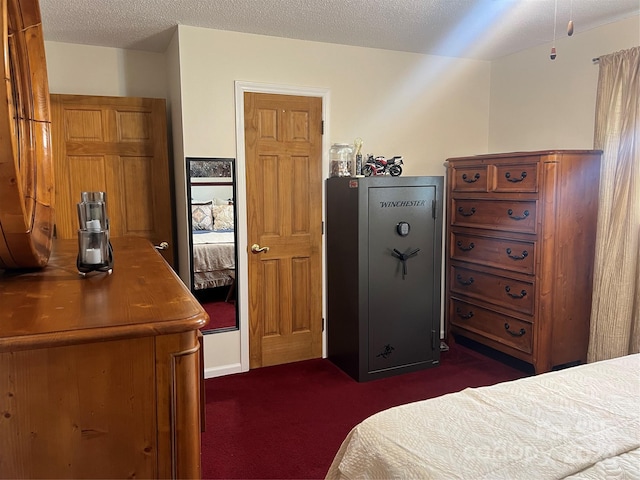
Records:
x=241, y=193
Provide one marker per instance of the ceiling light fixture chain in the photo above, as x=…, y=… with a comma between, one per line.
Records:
x=570, y=24
x=555, y=20
x=553, y=54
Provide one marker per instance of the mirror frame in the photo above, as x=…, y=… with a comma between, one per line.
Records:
x=26, y=176
x=232, y=181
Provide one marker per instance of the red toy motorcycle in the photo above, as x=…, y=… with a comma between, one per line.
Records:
x=380, y=166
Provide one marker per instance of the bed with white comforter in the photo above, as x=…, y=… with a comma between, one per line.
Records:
x=580, y=422
x=214, y=259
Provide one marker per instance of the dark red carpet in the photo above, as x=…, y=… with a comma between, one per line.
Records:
x=288, y=421
x=222, y=312
x=221, y=315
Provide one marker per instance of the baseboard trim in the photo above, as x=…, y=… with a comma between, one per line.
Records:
x=222, y=370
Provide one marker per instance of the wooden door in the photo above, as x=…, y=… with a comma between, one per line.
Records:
x=283, y=145
x=116, y=145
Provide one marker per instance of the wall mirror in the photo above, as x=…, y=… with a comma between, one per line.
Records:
x=213, y=239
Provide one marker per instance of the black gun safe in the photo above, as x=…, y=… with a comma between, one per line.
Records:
x=384, y=264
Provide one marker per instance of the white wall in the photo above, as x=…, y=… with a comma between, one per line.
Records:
x=87, y=70
x=183, y=220
x=539, y=104
x=208, y=193
x=422, y=107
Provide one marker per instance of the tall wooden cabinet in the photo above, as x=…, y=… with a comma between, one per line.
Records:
x=100, y=376
x=520, y=246
x=384, y=250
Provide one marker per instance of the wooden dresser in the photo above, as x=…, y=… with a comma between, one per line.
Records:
x=99, y=377
x=520, y=246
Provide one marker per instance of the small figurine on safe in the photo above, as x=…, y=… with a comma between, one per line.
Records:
x=381, y=166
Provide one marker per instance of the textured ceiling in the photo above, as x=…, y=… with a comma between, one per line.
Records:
x=483, y=29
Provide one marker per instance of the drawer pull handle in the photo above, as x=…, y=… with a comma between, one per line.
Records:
x=524, y=255
x=522, y=293
x=523, y=175
x=475, y=178
x=517, y=334
x=465, y=249
x=462, y=315
x=466, y=214
x=464, y=282
x=525, y=215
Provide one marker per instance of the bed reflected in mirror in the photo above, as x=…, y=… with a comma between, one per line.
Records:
x=211, y=198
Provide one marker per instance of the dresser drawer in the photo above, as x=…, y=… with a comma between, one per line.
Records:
x=509, y=215
x=471, y=179
x=493, y=325
x=514, y=255
x=516, y=178
x=506, y=292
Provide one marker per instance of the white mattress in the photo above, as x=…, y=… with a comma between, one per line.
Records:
x=211, y=237
x=581, y=422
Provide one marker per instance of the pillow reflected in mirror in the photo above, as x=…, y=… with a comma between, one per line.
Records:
x=201, y=218
x=222, y=217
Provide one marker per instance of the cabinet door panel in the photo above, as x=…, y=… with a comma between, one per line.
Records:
x=79, y=411
x=400, y=292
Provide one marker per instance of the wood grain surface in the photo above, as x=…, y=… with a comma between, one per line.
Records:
x=520, y=249
x=55, y=306
x=26, y=167
x=101, y=376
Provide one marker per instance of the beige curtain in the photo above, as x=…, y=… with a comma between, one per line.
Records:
x=615, y=313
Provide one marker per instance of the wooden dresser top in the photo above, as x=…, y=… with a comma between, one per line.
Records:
x=55, y=306
x=515, y=155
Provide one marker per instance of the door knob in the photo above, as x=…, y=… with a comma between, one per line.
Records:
x=162, y=246
x=255, y=248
